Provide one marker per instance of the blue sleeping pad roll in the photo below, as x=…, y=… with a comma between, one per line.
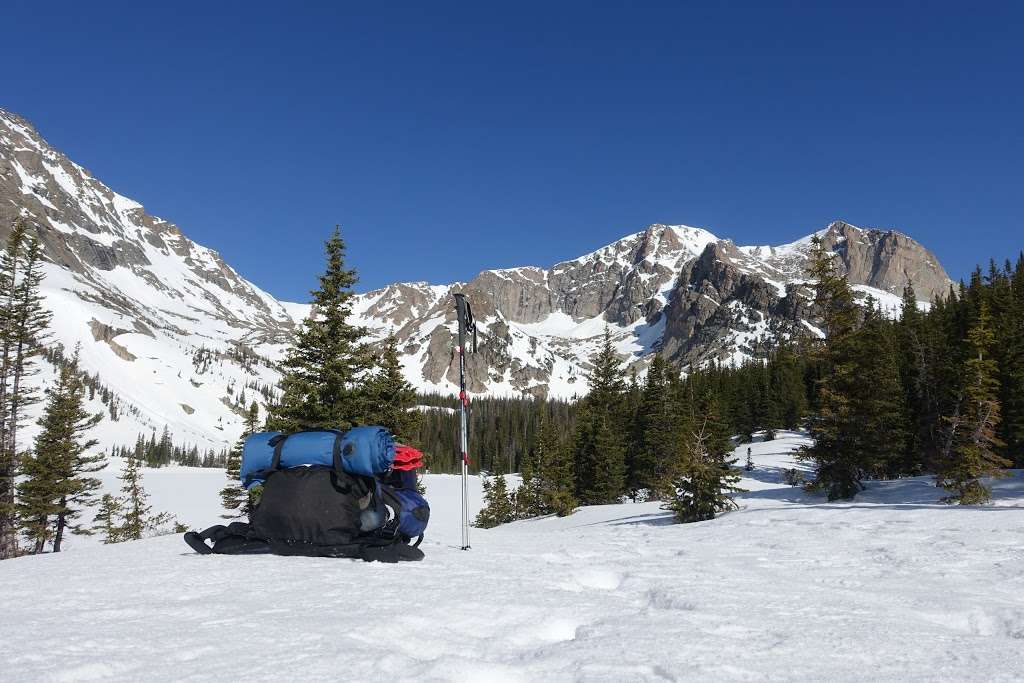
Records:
x=363, y=450
x=309, y=448
x=367, y=451
x=257, y=456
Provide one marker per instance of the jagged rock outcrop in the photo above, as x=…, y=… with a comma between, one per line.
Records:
x=674, y=289
x=886, y=260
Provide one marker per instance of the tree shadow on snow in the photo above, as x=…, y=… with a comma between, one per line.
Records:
x=652, y=519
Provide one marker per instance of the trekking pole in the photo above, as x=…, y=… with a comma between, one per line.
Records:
x=466, y=324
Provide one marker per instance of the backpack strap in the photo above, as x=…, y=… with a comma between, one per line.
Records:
x=233, y=539
x=197, y=539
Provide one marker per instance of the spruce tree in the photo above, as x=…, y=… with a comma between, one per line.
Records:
x=234, y=497
x=326, y=367
x=655, y=448
x=498, y=508
x=859, y=431
x=599, y=451
x=833, y=297
x=786, y=389
x=107, y=521
x=391, y=399
x=23, y=323
x=556, y=465
x=528, y=501
x=1010, y=339
x=913, y=378
x=858, y=424
x=56, y=485
x=972, y=441
x=137, y=516
x=704, y=478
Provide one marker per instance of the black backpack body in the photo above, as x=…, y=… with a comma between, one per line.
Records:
x=313, y=511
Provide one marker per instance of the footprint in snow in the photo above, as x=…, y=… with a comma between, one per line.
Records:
x=549, y=631
x=660, y=598
x=598, y=578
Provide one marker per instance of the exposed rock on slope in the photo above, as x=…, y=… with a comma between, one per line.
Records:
x=674, y=289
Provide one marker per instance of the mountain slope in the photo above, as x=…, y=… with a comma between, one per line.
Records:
x=174, y=331
x=182, y=340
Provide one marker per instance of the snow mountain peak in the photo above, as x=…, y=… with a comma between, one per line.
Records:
x=182, y=340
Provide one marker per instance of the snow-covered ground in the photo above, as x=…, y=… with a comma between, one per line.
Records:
x=892, y=586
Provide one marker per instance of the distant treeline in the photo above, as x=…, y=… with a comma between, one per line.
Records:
x=501, y=430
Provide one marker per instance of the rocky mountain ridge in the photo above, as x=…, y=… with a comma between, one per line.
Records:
x=677, y=290
x=183, y=340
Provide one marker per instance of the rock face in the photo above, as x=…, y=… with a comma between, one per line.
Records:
x=676, y=290
x=184, y=341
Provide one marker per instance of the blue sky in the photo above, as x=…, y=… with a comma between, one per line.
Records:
x=448, y=138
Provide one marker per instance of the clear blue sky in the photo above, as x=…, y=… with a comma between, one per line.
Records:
x=447, y=138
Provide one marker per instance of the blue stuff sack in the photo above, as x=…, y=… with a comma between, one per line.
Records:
x=367, y=450
x=408, y=512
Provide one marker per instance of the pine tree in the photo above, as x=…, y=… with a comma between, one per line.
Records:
x=858, y=424
x=107, y=520
x=390, y=397
x=786, y=390
x=23, y=323
x=557, y=487
x=325, y=368
x=708, y=417
x=528, y=501
x=234, y=497
x=704, y=479
x=137, y=517
x=498, y=508
x=859, y=430
x=599, y=447
x=832, y=294
x=1010, y=339
x=55, y=485
x=655, y=446
x=972, y=440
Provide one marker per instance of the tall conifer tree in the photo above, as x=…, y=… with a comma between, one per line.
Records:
x=23, y=323
x=56, y=485
x=107, y=521
x=137, y=517
x=326, y=368
x=971, y=446
x=390, y=397
x=556, y=487
x=655, y=448
x=600, y=443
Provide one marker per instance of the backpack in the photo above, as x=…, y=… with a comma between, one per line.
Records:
x=324, y=511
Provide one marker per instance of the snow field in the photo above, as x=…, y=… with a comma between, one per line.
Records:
x=892, y=586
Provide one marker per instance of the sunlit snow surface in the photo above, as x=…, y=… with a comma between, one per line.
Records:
x=892, y=587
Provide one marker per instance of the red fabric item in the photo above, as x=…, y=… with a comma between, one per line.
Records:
x=407, y=458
